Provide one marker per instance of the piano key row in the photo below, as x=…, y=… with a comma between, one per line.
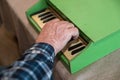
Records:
x=73, y=48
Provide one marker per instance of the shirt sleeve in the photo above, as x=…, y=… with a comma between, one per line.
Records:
x=36, y=64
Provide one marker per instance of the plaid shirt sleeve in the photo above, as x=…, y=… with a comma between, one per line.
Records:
x=36, y=64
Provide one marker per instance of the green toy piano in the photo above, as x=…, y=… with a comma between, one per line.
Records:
x=98, y=22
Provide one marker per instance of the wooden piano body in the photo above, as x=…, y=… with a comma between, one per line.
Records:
x=97, y=20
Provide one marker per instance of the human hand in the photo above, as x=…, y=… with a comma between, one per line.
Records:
x=57, y=33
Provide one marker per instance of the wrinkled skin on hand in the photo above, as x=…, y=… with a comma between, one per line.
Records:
x=57, y=33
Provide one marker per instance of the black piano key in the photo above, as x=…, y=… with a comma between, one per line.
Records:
x=44, y=14
x=49, y=19
x=44, y=17
x=77, y=50
x=74, y=46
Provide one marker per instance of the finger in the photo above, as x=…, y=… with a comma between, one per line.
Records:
x=50, y=23
x=62, y=23
x=70, y=25
x=74, y=32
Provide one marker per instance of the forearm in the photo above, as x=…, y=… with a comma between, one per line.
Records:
x=35, y=64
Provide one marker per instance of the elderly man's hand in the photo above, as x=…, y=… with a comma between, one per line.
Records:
x=57, y=33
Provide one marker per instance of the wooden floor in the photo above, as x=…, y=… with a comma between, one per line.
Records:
x=8, y=47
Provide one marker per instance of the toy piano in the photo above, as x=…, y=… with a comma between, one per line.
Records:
x=98, y=22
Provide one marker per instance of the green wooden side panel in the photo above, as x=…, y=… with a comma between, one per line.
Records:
x=96, y=51
x=96, y=18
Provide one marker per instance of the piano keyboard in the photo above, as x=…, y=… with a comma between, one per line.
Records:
x=44, y=16
x=74, y=46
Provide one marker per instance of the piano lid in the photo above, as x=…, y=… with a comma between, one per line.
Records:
x=96, y=18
